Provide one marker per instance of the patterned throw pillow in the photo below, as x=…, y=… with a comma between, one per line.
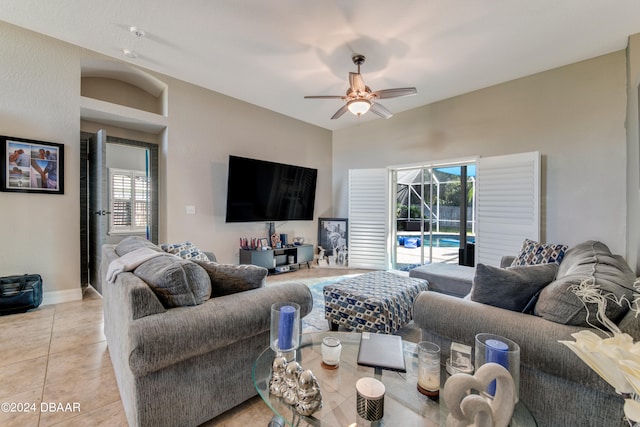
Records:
x=186, y=250
x=533, y=253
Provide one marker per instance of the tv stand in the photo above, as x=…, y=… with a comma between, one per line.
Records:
x=278, y=257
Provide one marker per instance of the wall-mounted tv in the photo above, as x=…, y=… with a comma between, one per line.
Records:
x=258, y=190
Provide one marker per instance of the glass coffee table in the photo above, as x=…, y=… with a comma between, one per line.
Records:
x=403, y=404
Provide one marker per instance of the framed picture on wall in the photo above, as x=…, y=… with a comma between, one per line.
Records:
x=332, y=234
x=30, y=166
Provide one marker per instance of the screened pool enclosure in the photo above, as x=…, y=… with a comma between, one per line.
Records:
x=435, y=211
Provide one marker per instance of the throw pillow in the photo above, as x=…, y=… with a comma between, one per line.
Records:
x=229, y=279
x=591, y=261
x=176, y=282
x=510, y=288
x=533, y=253
x=186, y=250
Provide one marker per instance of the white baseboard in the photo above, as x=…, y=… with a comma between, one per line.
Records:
x=56, y=297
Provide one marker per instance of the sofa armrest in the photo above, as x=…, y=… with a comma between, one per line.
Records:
x=130, y=297
x=181, y=333
x=211, y=256
x=506, y=261
x=447, y=319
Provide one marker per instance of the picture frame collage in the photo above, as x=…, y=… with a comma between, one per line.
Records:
x=31, y=166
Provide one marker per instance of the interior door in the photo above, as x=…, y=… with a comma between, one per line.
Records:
x=98, y=204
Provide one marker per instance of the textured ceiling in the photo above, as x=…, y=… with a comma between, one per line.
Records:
x=272, y=53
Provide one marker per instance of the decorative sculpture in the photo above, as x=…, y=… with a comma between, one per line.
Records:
x=321, y=258
x=291, y=375
x=277, y=384
x=477, y=410
x=309, y=396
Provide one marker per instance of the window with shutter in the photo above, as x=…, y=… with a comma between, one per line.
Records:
x=129, y=200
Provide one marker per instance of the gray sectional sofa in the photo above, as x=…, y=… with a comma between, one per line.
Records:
x=181, y=357
x=557, y=387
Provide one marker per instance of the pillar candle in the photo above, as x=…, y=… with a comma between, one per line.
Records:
x=496, y=352
x=285, y=327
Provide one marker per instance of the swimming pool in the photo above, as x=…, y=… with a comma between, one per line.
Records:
x=437, y=240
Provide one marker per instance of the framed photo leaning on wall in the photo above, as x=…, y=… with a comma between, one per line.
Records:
x=30, y=166
x=332, y=234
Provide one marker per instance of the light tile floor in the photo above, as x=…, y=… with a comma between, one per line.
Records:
x=55, y=367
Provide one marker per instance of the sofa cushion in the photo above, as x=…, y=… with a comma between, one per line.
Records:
x=186, y=250
x=132, y=243
x=533, y=253
x=228, y=278
x=511, y=288
x=175, y=281
x=591, y=261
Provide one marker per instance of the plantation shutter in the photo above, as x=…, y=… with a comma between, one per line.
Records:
x=129, y=191
x=508, y=205
x=121, y=200
x=369, y=219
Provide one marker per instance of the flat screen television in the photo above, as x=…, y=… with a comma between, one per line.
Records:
x=258, y=190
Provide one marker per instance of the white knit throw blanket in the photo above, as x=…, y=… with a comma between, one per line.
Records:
x=130, y=261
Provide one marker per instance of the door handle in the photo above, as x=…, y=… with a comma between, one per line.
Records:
x=103, y=212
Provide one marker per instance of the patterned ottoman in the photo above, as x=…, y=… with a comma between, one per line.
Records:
x=379, y=301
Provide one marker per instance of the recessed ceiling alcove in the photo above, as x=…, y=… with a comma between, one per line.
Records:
x=121, y=95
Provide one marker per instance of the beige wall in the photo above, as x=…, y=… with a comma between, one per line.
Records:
x=574, y=115
x=39, y=99
x=633, y=151
x=204, y=129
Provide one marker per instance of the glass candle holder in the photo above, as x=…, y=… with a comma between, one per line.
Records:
x=429, y=369
x=285, y=329
x=500, y=350
x=331, y=350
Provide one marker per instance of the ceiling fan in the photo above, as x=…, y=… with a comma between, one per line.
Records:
x=359, y=97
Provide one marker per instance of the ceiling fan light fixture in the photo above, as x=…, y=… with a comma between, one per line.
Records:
x=358, y=106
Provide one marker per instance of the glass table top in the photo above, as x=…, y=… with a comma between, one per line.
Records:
x=403, y=404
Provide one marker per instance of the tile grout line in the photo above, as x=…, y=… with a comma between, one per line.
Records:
x=46, y=369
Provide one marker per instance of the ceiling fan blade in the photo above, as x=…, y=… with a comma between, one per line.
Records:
x=340, y=112
x=325, y=97
x=395, y=93
x=380, y=110
x=356, y=82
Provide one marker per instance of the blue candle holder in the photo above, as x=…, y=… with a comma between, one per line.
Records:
x=285, y=328
x=492, y=348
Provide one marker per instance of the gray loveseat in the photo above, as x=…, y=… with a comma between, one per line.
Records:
x=182, y=366
x=557, y=387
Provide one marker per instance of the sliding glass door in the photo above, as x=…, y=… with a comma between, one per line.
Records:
x=434, y=215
